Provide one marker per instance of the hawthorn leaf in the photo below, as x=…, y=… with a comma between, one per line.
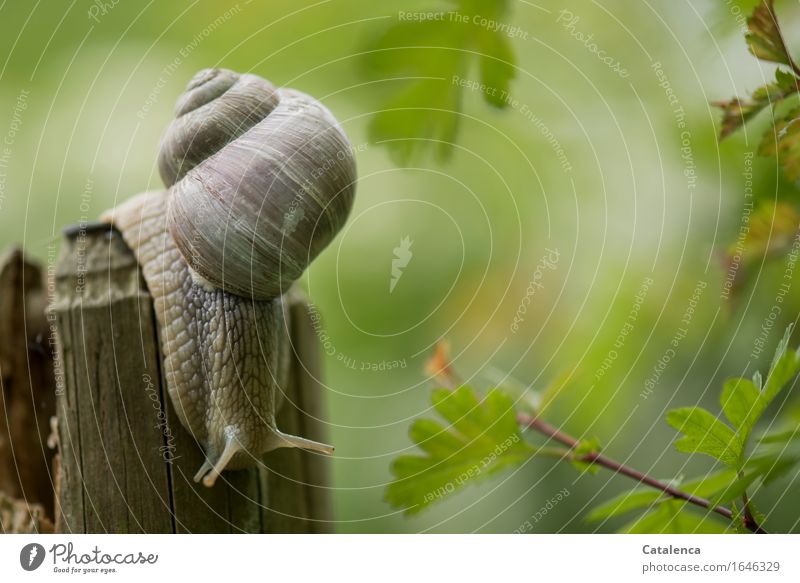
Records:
x=765, y=469
x=781, y=436
x=773, y=463
x=626, y=502
x=785, y=365
x=671, y=517
x=481, y=437
x=765, y=39
x=496, y=68
x=704, y=433
x=640, y=498
x=424, y=112
x=424, y=64
x=738, y=399
x=708, y=485
x=736, y=112
x=736, y=488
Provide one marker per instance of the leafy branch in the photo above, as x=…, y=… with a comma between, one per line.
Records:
x=773, y=226
x=596, y=458
x=766, y=42
x=486, y=435
x=426, y=56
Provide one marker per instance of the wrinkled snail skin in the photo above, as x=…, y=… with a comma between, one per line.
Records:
x=220, y=353
x=260, y=181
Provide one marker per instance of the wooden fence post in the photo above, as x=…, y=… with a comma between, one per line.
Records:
x=27, y=398
x=126, y=463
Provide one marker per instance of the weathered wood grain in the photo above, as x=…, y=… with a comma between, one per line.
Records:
x=126, y=463
x=27, y=385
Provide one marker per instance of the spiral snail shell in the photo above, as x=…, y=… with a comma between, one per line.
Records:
x=259, y=180
x=262, y=179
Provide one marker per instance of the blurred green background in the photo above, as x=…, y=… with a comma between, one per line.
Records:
x=86, y=88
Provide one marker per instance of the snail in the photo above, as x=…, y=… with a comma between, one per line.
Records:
x=259, y=181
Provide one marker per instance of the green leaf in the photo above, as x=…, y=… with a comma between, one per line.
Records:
x=704, y=433
x=765, y=40
x=781, y=436
x=424, y=64
x=423, y=114
x=735, y=489
x=785, y=365
x=496, y=67
x=626, y=502
x=743, y=402
x=710, y=484
x=584, y=448
x=773, y=463
x=738, y=400
x=671, y=517
x=397, y=49
x=639, y=498
x=766, y=466
x=784, y=143
x=773, y=470
x=481, y=438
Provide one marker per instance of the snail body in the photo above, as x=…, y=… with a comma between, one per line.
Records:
x=247, y=209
